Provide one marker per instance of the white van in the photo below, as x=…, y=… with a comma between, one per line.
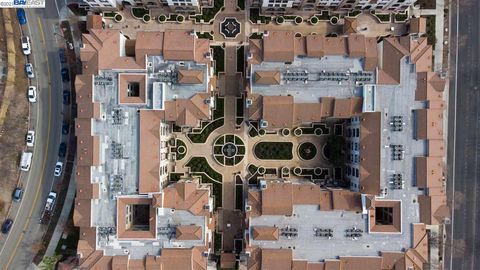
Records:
x=26, y=161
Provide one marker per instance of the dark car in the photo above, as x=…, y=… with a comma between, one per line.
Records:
x=65, y=75
x=66, y=97
x=6, y=226
x=22, y=19
x=62, y=150
x=61, y=54
x=65, y=128
x=17, y=194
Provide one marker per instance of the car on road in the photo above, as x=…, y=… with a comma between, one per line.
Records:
x=65, y=128
x=26, y=161
x=17, y=194
x=32, y=94
x=22, y=19
x=58, y=168
x=61, y=54
x=30, y=138
x=7, y=225
x=65, y=75
x=29, y=70
x=66, y=97
x=26, y=48
x=62, y=150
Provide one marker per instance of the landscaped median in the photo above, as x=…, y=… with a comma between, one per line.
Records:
x=274, y=150
x=199, y=167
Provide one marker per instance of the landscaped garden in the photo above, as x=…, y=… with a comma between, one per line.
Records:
x=335, y=150
x=209, y=13
x=307, y=151
x=181, y=149
x=274, y=150
x=431, y=39
x=255, y=16
x=228, y=150
x=219, y=56
x=199, y=167
x=139, y=12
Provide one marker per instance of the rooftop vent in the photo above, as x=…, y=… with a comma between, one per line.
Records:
x=249, y=102
x=263, y=184
x=263, y=124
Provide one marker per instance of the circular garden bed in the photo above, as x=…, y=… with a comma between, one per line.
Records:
x=307, y=151
x=229, y=150
x=274, y=150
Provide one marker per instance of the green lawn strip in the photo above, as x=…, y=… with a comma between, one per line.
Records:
x=252, y=168
x=199, y=167
x=431, y=39
x=209, y=13
x=252, y=132
x=354, y=13
x=401, y=17
x=219, y=57
x=238, y=197
x=274, y=150
x=241, y=4
x=174, y=176
x=219, y=111
x=324, y=16
x=217, y=242
x=139, y=12
x=383, y=17
x=207, y=130
x=241, y=59
x=109, y=14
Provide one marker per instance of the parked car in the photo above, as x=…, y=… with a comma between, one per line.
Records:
x=61, y=54
x=30, y=138
x=65, y=75
x=29, y=70
x=26, y=48
x=58, y=168
x=32, y=94
x=7, y=225
x=17, y=194
x=66, y=97
x=65, y=128
x=22, y=19
x=62, y=150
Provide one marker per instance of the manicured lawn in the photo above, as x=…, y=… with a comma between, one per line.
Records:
x=209, y=13
x=219, y=107
x=204, y=35
x=383, y=17
x=252, y=132
x=238, y=197
x=219, y=57
x=252, y=168
x=174, y=177
x=335, y=150
x=241, y=59
x=256, y=36
x=401, y=17
x=181, y=143
x=307, y=150
x=274, y=150
x=200, y=164
x=255, y=16
x=324, y=16
x=431, y=39
x=241, y=4
x=207, y=130
x=138, y=12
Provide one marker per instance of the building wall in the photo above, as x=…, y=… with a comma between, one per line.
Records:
x=101, y=4
x=293, y=6
x=353, y=158
x=164, y=159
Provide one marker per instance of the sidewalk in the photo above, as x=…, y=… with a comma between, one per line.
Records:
x=62, y=220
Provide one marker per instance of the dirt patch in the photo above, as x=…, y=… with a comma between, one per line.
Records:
x=16, y=122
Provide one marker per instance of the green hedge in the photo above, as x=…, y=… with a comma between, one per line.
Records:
x=219, y=57
x=206, y=131
x=138, y=12
x=274, y=150
x=209, y=13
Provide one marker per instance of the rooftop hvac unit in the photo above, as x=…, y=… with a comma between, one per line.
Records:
x=266, y=33
x=149, y=64
x=263, y=124
x=248, y=208
x=263, y=184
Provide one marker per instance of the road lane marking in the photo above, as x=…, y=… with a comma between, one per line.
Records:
x=457, y=11
x=43, y=165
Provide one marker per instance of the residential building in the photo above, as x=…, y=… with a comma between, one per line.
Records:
x=129, y=96
x=295, y=6
x=179, y=6
x=390, y=106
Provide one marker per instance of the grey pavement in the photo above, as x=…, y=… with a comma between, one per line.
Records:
x=463, y=238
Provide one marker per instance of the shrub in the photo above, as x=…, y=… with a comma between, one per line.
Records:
x=307, y=151
x=118, y=17
x=280, y=19
x=314, y=20
x=162, y=18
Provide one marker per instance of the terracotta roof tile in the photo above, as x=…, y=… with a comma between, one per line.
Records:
x=267, y=77
x=189, y=232
x=190, y=76
x=265, y=233
x=279, y=46
x=370, y=140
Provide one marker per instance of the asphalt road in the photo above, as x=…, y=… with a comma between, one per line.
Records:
x=463, y=186
x=17, y=249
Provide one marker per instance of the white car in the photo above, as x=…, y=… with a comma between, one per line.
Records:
x=58, y=168
x=30, y=138
x=26, y=48
x=32, y=94
x=29, y=70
